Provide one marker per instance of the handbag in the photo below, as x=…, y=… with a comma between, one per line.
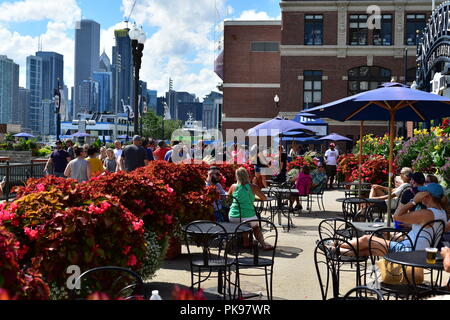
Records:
x=393, y=273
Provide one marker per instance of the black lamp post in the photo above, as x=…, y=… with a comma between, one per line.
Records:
x=57, y=94
x=137, y=37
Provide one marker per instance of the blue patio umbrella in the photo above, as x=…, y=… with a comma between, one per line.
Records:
x=335, y=137
x=392, y=102
x=302, y=140
x=277, y=126
x=23, y=135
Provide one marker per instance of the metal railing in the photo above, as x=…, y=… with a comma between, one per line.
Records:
x=17, y=175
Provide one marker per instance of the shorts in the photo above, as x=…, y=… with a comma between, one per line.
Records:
x=402, y=246
x=240, y=220
x=331, y=170
x=257, y=169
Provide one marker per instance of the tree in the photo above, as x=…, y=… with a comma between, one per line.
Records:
x=152, y=126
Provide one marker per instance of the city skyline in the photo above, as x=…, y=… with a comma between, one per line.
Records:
x=182, y=49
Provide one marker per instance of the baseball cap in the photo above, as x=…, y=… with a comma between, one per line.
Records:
x=332, y=144
x=418, y=177
x=435, y=189
x=137, y=138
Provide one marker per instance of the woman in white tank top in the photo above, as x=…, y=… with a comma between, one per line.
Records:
x=430, y=195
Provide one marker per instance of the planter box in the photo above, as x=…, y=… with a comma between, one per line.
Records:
x=17, y=156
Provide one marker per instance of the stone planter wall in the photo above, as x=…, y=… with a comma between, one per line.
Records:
x=17, y=156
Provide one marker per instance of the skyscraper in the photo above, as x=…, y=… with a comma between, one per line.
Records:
x=104, y=80
x=34, y=84
x=104, y=63
x=24, y=107
x=87, y=55
x=123, y=68
x=9, y=90
x=89, y=97
x=52, y=73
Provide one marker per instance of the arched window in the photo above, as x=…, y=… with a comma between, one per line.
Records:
x=366, y=78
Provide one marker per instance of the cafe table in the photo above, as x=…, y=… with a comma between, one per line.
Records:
x=417, y=259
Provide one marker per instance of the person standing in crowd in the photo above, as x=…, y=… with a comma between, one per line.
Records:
x=331, y=156
x=213, y=179
x=134, y=156
x=161, y=151
x=110, y=163
x=148, y=149
x=431, y=179
x=102, y=156
x=168, y=155
x=79, y=169
x=294, y=152
x=69, y=146
x=59, y=160
x=95, y=163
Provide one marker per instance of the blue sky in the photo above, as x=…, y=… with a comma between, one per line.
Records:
x=179, y=33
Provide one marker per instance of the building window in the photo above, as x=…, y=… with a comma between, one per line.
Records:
x=414, y=22
x=358, y=29
x=366, y=78
x=312, y=88
x=383, y=36
x=261, y=46
x=313, y=29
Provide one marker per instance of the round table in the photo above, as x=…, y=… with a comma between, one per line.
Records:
x=415, y=259
x=360, y=200
x=208, y=228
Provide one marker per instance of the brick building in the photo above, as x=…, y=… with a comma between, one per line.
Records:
x=321, y=51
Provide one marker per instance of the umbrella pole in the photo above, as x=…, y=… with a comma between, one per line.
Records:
x=361, y=132
x=391, y=159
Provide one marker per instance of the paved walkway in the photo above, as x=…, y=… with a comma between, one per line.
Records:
x=294, y=271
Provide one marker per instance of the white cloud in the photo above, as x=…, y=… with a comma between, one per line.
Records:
x=61, y=16
x=254, y=15
x=182, y=47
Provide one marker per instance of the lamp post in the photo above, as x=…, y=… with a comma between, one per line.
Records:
x=276, y=99
x=57, y=94
x=137, y=37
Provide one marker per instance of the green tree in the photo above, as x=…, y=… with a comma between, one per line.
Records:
x=152, y=126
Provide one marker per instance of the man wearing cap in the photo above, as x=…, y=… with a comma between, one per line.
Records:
x=59, y=159
x=134, y=156
x=331, y=156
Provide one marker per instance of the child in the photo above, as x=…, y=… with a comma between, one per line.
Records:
x=110, y=163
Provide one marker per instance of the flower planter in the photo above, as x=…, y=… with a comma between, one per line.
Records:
x=174, y=249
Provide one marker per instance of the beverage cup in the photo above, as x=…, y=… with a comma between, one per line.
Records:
x=431, y=255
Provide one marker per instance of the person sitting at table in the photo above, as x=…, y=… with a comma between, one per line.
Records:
x=417, y=180
x=381, y=192
x=303, y=185
x=213, y=179
x=445, y=253
x=432, y=196
x=319, y=179
x=431, y=179
x=244, y=192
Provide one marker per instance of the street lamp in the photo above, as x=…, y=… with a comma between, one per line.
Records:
x=57, y=94
x=276, y=99
x=137, y=37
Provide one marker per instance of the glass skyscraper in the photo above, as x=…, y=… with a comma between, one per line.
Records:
x=9, y=90
x=87, y=55
x=104, y=80
x=34, y=84
x=123, y=69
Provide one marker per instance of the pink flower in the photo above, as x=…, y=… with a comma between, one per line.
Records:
x=168, y=219
x=32, y=234
x=132, y=261
x=139, y=203
x=105, y=205
x=169, y=189
x=6, y=215
x=40, y=187
x=13, y=207
x=138, y=225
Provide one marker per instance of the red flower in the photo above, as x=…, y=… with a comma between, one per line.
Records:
x=132, y=261
x=168, y=219
x=126, y=250
x=32, y=234
x=40, y=187
x=138, y=225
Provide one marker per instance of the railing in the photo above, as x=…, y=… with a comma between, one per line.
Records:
x=18, y=174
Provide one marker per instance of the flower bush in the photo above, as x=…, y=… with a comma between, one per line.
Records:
x=16, y=283
x=374, y=170
x=347, y=165
x=301, y=162
x=372, y=145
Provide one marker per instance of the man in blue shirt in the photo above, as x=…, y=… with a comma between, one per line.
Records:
x=59, y=159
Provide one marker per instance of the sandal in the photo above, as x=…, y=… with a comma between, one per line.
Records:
x=268, y=248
